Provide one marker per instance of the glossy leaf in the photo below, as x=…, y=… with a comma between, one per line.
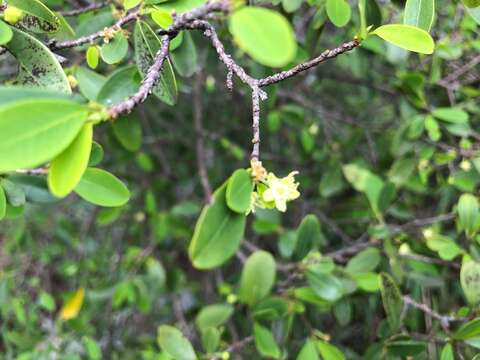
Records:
x=213, y=316
x=468, y=214
x=407, y=37
x=38, y=65
x=121, y=84
x=264, y=34
x=468, y=331
x=308, y=235
x=239, y=191
x=147, y=45
x=264, y=342
x=365, y=261
x=92, y=56
x=115, y=50
x=419, y=13
x=89, y=82
x=35, y=131
x=102, y=188
x=339, y=12
x=258, y=277
x=217, y=234
x=67, y=168
x=176, y=345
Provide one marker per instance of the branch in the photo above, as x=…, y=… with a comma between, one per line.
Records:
x=326, y=55
x=444, y=320
x=56, y=45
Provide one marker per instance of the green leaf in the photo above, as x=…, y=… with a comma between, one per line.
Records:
x=38, y=65
x=468, y=330
x=217, y=234
x=128, y=132
x=392, y=300
x=239, y=191
x=474, y=13
x=264, y=342
x=3, y=203
x=308, y=351
x=329, y=351
x=213, y=316
x=14, y=193
x=175, y=344
x=264, y=34
x=405, y=347
x=11, y=94
x=419, y=13
x=38, y=18
x=92, y=55
x=258, y=277
x=89, y=82
x=162, y=18
x=325, y=285
x=35, y=188
x=67, y=168
x=6, y=33
x=339, y=12
x=185, y=58
x=102, y=188
x=130, y=4
x=451, y=115
x=211, y=339
x=468, y=214
x=35, y=131
x=308, y=235
x=447, y=353
x=471, y=4
x=470, y=280
x=365, y=261
x=367, y=281
x=115, y=50
x=179, y=6
x=407, y=37
x=147, y=45
x=119, y=85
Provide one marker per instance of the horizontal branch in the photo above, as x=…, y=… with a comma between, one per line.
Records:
x=59, y=45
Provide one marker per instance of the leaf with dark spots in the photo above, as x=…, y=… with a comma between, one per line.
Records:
x=147, y=45
x=38, y=18
x=38, y=67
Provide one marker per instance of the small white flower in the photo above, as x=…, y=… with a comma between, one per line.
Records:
x=280, y=191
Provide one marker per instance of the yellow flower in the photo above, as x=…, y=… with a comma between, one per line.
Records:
x=280, y=191
x=253, y=202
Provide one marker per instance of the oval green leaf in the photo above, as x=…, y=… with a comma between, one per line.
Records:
x=308, y=234
x=217, y=234
x=470, y=280
x=38, y=66
x=339, y=12
x=67, y=169
x=407, y=37
x=213, y=316
x=92, y=55
x=147, y=45
x=258, y=277
x=115, y=50
x=239, y=191
x=6, y=33
x=35, y=131
x=265, y=35
x=172, y=341
x=99, y=187
x=265, y=342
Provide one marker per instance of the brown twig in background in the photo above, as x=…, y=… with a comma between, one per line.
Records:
x=91, y=7
x=444, y=320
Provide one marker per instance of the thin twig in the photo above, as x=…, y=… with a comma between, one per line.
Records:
x=91, y=7
x=444, y=320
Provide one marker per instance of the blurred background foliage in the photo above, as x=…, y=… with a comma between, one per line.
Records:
x=385, y=141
